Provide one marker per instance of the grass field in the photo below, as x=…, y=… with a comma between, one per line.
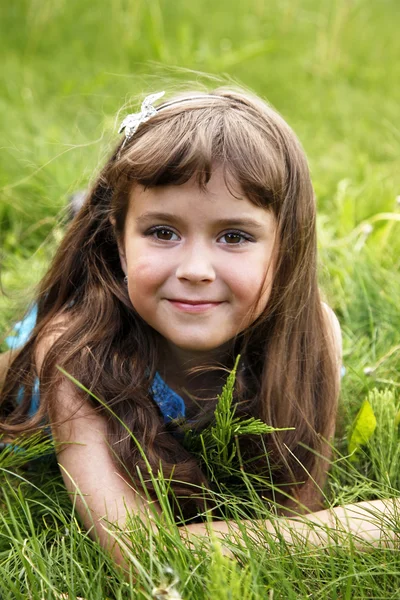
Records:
x=332, y=69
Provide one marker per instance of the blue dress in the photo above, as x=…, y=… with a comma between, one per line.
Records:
x=170, y=403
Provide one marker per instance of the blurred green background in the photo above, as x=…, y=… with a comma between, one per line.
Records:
x=331, y=67
x=70, y=70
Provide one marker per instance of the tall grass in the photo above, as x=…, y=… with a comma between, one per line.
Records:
x=331, y=68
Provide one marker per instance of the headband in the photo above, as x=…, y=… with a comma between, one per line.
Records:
x=131, y=122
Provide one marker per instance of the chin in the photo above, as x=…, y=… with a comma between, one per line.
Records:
x=201, y=346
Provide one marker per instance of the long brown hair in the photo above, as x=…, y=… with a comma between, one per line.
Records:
x=290, y=380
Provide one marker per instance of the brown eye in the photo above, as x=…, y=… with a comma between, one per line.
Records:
x=164, y=234
x=234, y=238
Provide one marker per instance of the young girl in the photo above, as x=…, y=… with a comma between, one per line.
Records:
x=195, y=244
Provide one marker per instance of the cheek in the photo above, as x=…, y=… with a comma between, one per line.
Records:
x=253, y=286
x=142, y=283
x=142, y=268
x=146, y=278
x=142, y=289
x=253, y=279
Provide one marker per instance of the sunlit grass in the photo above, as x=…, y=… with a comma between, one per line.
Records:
x=332, y=69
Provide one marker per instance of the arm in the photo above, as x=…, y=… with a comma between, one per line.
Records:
x=364, y=525
x=100, y=493
x=103, y=496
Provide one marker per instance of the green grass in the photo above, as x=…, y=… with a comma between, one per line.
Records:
x=331, y=68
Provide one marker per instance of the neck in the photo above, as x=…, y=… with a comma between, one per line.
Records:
x=178, y=369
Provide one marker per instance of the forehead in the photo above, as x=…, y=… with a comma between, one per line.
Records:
x=218, y=199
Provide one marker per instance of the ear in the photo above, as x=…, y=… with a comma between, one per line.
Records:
x=121, y=249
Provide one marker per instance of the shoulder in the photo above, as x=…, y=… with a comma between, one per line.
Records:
x=52, y=332
x=333, y=328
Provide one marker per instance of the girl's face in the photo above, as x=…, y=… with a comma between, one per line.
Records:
x=199, y=263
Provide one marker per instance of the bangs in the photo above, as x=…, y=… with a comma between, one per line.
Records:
x=189, y=141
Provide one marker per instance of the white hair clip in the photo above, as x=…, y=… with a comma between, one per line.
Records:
x=131, y=122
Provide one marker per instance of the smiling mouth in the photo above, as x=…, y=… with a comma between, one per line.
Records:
x=193, y=306
x=193, y=302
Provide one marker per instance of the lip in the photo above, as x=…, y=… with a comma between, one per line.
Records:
x=185, y=301
x=193, y=306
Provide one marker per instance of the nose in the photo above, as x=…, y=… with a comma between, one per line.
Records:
x=196, y=264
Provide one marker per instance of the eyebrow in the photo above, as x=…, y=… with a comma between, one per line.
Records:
x=167, y=217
